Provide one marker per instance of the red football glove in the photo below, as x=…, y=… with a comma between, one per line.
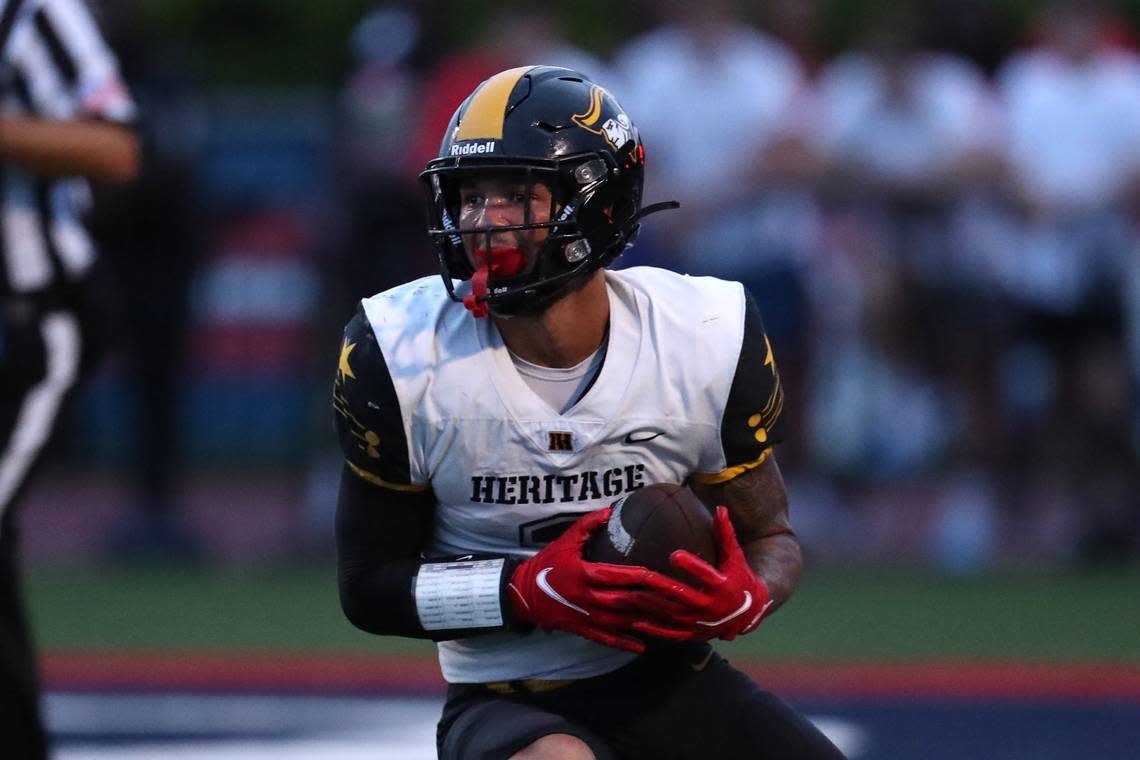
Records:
x=558, y=589
x=726, y=602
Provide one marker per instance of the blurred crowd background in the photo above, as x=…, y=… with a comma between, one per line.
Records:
x=936, y=204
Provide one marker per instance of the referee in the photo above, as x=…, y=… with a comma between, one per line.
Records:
x=64, y=117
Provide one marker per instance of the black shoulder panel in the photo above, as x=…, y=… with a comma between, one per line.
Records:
x=752, y=416
x=368, y=418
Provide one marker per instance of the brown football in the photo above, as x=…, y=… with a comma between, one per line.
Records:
x=650, y=524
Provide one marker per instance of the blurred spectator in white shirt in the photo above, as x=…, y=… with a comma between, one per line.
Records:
x=1073, y=109
x=903, y=134
x=903, y=122
x=712, y=94
x=1074, y=114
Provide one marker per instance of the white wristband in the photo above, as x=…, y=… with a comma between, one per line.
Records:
x=459, y=594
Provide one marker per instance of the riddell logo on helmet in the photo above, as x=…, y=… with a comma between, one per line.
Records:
x=469, y=149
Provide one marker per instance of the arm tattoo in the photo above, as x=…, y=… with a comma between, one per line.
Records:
x=757, y=502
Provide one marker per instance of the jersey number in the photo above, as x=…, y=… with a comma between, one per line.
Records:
x=539, y=533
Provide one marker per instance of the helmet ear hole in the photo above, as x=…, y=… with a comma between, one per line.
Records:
x=576, y=250
x=602, y=218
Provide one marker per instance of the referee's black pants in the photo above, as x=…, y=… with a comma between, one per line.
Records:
x=40, y=360
x=21, y=728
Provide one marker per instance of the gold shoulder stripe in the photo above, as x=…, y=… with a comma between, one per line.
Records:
x=483, y=119
x=376, y=481
x=713, y=478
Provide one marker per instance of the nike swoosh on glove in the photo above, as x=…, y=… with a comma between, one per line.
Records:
x=726, y=601
x=557, y=589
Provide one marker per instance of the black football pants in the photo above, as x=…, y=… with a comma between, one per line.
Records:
x=21, y=729
x=681, y=704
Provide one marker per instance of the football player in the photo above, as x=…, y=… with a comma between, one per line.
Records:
x=489, y=417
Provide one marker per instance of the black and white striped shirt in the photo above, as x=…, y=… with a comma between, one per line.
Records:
x=55, y=65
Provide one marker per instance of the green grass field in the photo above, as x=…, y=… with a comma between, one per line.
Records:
x=859, y=615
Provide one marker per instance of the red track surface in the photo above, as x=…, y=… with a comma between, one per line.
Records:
x=305, y=671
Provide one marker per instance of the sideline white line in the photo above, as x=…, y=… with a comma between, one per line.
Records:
x=273, y=727
x=330, y=749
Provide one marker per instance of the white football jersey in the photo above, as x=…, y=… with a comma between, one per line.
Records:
x=510, y=473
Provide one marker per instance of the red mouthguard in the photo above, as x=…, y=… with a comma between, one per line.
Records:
x=504, y=261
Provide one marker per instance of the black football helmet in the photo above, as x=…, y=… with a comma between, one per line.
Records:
x=554, y=126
